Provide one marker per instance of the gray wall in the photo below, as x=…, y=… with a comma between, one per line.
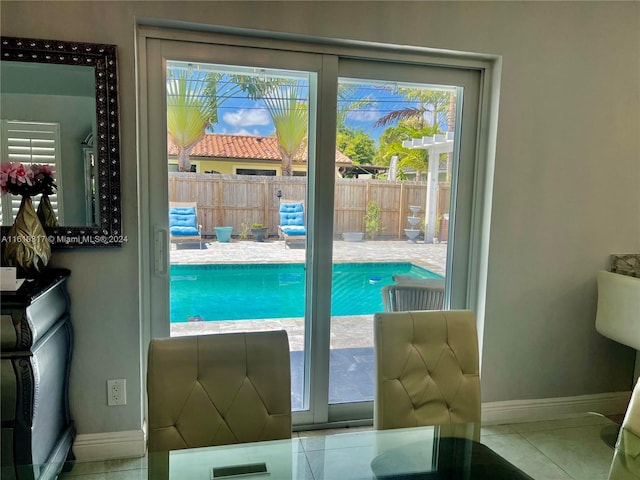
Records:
x=565, y=195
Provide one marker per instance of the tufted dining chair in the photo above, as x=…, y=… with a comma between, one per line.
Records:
x=220, y=389
x=427, y=369
x=626, y=458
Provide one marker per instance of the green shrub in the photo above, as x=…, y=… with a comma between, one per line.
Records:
x=372, y=221
x=244, y=233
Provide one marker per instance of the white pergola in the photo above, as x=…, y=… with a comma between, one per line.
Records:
x=435, y=145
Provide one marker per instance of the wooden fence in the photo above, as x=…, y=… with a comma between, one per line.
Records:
x=232, y=200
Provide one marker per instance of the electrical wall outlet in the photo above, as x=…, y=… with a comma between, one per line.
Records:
x=116, y=392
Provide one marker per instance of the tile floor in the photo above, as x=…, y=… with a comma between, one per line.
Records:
x=570, y=448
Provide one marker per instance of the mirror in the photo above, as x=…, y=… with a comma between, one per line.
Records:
x=59, y=105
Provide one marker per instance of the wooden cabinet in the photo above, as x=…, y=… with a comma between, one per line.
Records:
x=36, y=345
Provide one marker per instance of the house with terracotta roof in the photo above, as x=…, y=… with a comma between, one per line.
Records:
x=253, y=155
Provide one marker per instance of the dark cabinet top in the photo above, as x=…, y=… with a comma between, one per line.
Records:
x=32, y=289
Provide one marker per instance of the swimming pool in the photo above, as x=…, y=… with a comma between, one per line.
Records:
x=254, y=291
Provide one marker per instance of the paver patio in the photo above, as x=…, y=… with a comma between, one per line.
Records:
x=430, y=256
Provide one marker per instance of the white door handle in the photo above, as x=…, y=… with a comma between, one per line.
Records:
x=160, y=259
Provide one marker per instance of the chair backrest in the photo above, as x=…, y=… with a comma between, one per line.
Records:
x=183, y=218
x=218, y=389
x=291, y=213
x=427, y=368
x=626, y=459
x=424, y=296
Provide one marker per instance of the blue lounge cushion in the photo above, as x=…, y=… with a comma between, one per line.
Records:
x=293, y=218
x=291, y=207
x=183, y=221
x=294, y=230
x=182, y=211
x=183, y=231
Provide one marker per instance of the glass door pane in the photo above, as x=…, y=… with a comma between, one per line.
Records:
x=391, y=211
x=237, y=139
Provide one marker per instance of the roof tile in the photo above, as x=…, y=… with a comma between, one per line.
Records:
x=245, y=147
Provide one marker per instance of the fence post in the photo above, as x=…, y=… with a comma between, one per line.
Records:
x=219, y=199
x=400, y=210
x=265, y=201
x=172, y=190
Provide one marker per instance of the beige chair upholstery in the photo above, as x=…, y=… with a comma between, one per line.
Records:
x=427, y=368
x=426, y=295
x=626, y=459
x=218, y=389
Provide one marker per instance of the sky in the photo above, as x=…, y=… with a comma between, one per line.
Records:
x=241, y=115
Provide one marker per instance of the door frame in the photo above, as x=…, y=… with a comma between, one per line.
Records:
x=476, y=252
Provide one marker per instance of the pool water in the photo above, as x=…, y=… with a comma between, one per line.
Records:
x=248, y=291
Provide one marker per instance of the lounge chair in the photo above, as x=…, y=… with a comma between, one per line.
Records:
x=291, y=227
x=183, y=223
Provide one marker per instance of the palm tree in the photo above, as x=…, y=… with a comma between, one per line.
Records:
x=286, y=103
x=192, y=107
x=429, y=101
x=391, y=144
x=290, y=116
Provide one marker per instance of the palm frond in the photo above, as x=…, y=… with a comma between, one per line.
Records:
x=289, y=115
x=398, y=115
x=348, y=101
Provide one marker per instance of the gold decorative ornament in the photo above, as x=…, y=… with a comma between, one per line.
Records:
x=45, y=212
x=27, y=246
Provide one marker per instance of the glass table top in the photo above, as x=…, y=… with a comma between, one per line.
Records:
x=441, y=452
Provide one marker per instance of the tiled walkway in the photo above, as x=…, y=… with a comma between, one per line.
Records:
x=432, y=257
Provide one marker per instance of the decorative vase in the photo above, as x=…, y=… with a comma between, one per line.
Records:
x=45, y=212
x=224, y=234
x=28, y=248
x=259, y=233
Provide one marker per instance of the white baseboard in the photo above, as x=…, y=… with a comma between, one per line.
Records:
x=515, y=411
x=93, y=447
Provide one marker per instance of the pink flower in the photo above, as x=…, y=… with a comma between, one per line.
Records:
x=19, y=174
x=41, y=173
x=17, y=179
x=5, y=167
x=42, y=169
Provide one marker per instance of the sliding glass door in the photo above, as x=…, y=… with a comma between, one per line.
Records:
x=355, y=170
x=395, y=216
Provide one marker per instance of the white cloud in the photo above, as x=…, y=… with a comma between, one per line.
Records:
x=243, y=131
x=363, y=115
x=247, y=118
